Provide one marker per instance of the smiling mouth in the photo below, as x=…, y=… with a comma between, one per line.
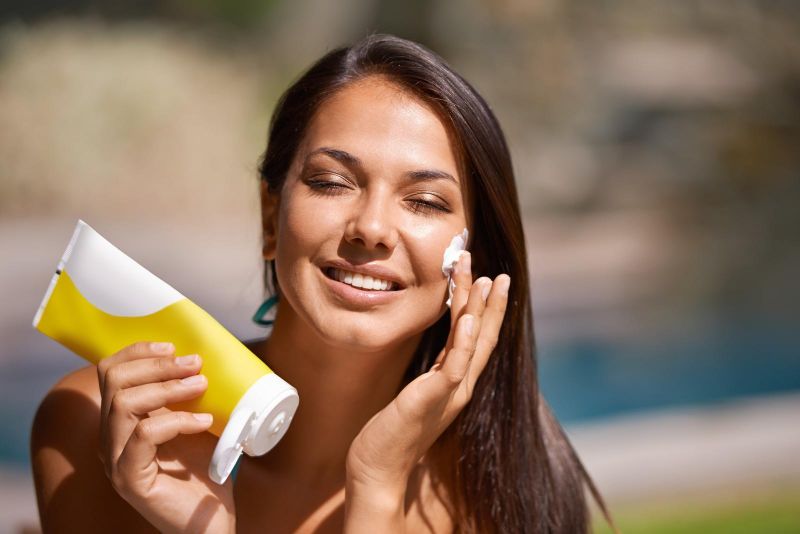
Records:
x=360, y=281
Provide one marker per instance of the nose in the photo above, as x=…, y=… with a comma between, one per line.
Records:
x=371, y=225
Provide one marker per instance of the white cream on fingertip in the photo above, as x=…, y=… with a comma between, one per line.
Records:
x=451, y=254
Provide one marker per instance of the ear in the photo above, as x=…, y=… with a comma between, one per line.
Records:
x=270, y=204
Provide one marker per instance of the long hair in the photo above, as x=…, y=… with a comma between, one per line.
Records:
x=515, y=470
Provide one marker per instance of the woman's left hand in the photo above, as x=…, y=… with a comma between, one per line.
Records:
x=387, y=449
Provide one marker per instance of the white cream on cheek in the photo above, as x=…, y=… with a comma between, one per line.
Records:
x=451, y=254
x=453, y=251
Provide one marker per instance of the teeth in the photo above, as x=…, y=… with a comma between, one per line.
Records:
x=360, y=280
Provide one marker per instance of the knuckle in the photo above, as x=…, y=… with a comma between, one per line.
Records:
x=120, y=403
x=162, y=364
x=167, y=387
x=140, y=348
x=143, y=430
x=115, y=375
x=454, y=378
x=187, y=419
x=463, y=397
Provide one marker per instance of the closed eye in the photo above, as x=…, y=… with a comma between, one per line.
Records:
x=427, y=208
x=422, y=207
x=325, y=185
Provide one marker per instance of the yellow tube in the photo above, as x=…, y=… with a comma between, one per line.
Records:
x=101, y=301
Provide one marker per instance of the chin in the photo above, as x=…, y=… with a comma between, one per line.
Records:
x=360, y=335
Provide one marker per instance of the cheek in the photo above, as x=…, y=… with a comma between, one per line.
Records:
x=298, y=237
x=304, y=222
x=427, y=251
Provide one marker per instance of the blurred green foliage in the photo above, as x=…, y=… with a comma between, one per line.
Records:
x=685, y=115
x=773, y=514
x=240, y=13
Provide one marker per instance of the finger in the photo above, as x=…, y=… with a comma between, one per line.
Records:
x=491, y=323
x=131, y=373
x=131, y=405
x=148, y=370
x=462, y=278
x=143, y=349
x=141, y=400
x=454, y=367
x=136, y=465
x=476, y=303
x=136, y=351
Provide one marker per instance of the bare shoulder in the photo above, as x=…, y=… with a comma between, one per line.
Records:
x=72, y=490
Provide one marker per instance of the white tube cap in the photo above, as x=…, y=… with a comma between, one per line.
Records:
x=257, y=424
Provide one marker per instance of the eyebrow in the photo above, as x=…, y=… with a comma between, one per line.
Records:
x=351, y=160
x=339, y=155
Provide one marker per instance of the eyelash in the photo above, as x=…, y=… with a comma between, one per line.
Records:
x=420, y=206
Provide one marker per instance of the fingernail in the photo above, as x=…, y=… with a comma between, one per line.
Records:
x=468, y=320
x=162, y=347
x=505, y=282
x=188, y=360
x=203, y=417
x=487, y=286
x=193, y=380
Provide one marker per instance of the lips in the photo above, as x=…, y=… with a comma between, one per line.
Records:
x=358, y=280
x=374, y=271
x=361, y=298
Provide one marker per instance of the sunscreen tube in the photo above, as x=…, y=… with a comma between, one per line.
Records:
x=100, y=301
x=451, y=254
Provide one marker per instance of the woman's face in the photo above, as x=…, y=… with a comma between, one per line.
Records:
x=374, y=189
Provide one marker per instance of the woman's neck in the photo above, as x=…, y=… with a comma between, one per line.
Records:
x=340, y=390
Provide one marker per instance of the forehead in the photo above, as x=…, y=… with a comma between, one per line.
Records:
x=385, y=126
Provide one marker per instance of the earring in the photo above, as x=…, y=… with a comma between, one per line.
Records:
x=266, y=307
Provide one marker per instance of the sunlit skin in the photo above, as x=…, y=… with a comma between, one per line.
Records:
x=373, y=215
x=325, y=349
x=375, y=182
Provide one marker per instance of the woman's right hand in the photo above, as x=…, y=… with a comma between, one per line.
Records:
x=151, y=459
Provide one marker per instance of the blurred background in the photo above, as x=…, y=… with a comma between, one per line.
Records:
x=657, y=152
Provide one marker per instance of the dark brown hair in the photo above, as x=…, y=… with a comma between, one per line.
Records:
x=515, y=470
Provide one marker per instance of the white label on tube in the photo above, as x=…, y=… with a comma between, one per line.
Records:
x=142, y=292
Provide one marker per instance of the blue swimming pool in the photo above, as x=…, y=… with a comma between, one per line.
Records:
x=583, y=379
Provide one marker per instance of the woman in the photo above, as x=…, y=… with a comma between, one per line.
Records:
x=412, y=417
